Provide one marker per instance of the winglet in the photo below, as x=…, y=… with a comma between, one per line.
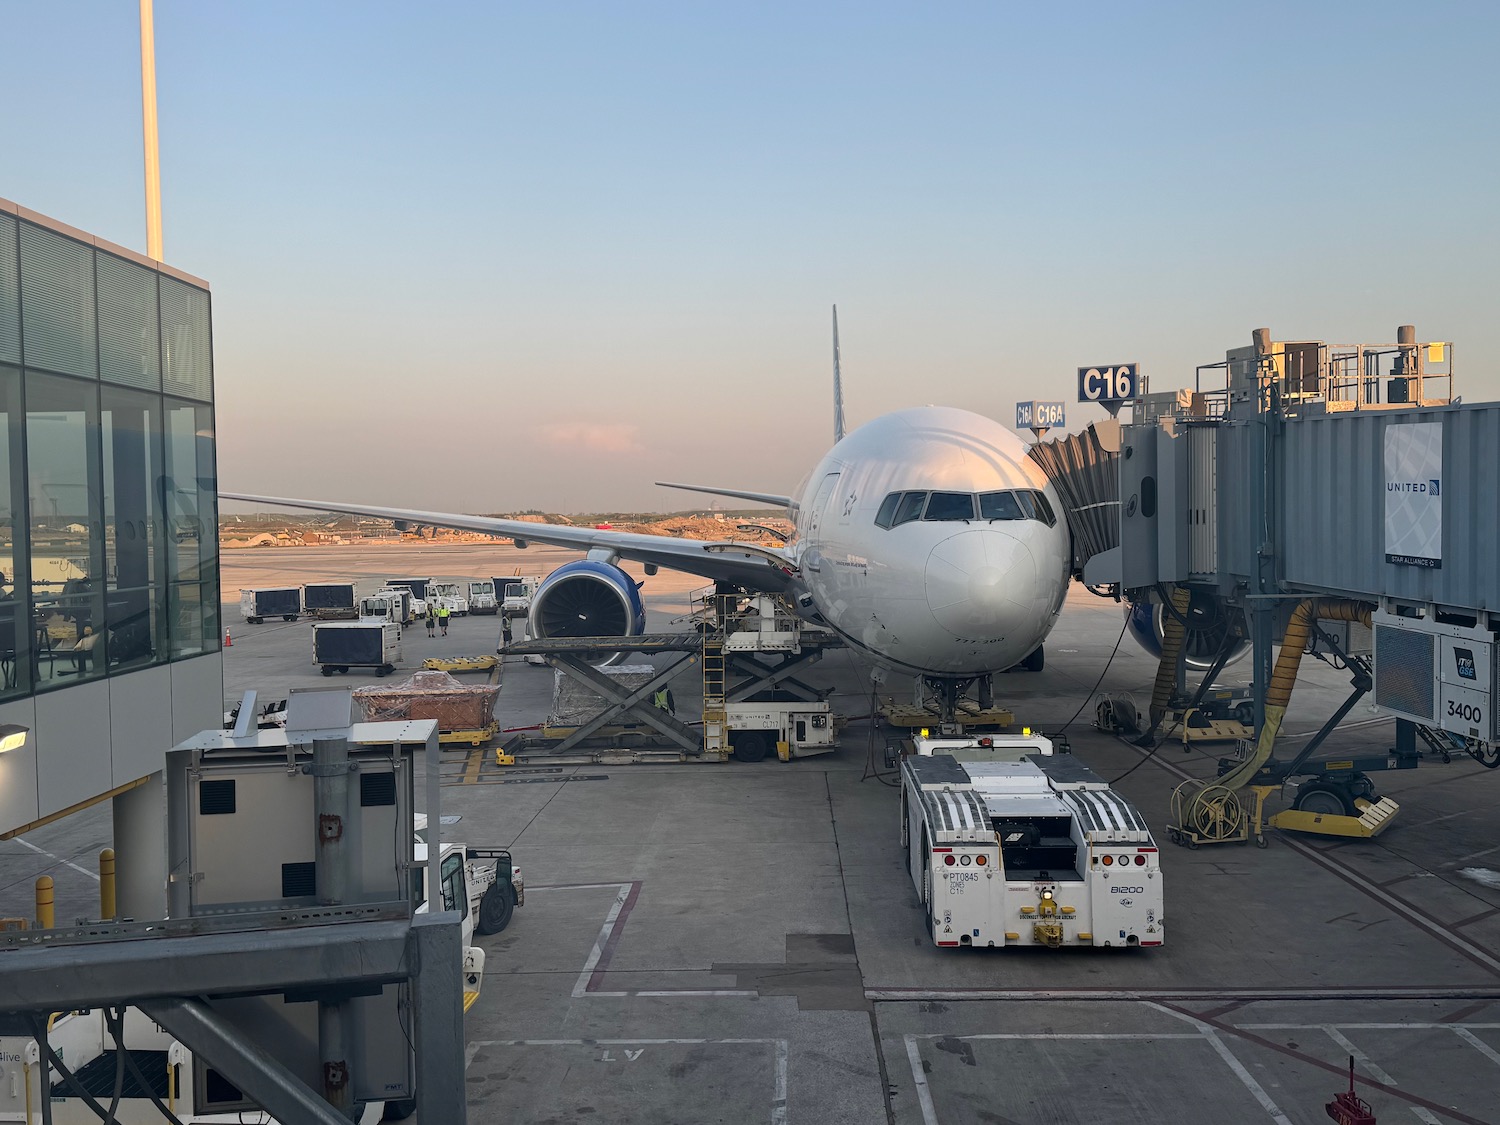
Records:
x=738, y=494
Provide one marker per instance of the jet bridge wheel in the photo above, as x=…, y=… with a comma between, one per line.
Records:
x=1324, y=798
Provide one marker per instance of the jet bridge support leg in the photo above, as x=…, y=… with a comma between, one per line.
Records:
x=635, y=703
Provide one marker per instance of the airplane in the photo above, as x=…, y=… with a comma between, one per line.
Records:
x=927, y=539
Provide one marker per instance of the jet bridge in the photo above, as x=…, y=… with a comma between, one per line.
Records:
x=1330, y=498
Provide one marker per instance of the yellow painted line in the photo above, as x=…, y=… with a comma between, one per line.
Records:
x=471, y=772
x=469, y=998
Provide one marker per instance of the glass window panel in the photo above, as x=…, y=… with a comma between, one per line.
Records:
x=187, y=368
x=62, y=465
x=887, y=514
x=950, y=506
x=15, y=638
x=911, y=507
x=189, y=510
x=999, y=506
x=131, y=430
x=129, y=330
x=57, y=303
x=1044, y=509
x=1027, y=500
x=10, y=293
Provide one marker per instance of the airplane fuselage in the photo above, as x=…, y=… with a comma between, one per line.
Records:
x=920, y=539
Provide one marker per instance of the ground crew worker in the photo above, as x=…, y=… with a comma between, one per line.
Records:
x=664, y=701
x=443, y=612
x=431, y=623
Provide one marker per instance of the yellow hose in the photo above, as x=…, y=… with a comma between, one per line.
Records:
x=1174, y=633
x=1284, y=676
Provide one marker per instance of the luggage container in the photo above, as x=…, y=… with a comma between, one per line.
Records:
x=329, y=601
x=341, y=645
x=284, y=602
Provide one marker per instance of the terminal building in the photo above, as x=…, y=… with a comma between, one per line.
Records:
x=110, y=625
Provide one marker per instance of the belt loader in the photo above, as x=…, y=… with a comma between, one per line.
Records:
x=1034, y=852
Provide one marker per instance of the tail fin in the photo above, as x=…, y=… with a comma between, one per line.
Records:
x=838, y=384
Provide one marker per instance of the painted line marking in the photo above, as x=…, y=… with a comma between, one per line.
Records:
x=1369, y=1064
x=1246, y=1078
x=780, y=1061
x=919, y=1081
x=1362, y=1026
x=597, y=964
x=1477, y=1043
x=473, y=766
x=913, y=995
x=94, y=875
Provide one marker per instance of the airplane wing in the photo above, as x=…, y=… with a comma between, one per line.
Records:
x=739, y=494
x=742, y=564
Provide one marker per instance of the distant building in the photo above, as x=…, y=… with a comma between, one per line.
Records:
x=109, y=621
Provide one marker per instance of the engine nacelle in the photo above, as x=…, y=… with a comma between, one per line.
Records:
x=1208, y=622
x=588, y=599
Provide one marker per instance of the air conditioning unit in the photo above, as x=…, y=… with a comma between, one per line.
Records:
x=1441, y=676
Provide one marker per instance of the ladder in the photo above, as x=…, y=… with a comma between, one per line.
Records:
x=715, y=712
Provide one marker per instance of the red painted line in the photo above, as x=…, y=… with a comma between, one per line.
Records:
x=1478, y=917
x=608, y=951
x=1465, y=1013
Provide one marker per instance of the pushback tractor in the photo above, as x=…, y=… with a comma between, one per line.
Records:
x=1033, y=852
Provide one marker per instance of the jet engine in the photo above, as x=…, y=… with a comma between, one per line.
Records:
x=588, y=599
x=1208, y=623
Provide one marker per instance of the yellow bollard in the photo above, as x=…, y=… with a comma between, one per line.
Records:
x=45, y=916
x=107, y=885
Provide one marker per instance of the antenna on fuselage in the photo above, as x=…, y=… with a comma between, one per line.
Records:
x=838, y=384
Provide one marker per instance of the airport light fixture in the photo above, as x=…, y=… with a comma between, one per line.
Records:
x=12, y=736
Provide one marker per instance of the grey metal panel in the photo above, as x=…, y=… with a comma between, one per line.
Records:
x=1202, y=503
x=1237, y=535
x=1172, y=489
x=1138, y=508
x=1333, y=507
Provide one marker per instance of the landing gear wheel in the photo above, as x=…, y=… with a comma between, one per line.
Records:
x=1036, y=661
x=495, y=909
x=750, y=745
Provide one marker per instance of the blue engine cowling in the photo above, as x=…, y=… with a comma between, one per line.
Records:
x=588, y=599
x=1208, y=621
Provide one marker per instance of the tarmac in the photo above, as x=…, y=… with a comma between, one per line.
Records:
x=741, y=943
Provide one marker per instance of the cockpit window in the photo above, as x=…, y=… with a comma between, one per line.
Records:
x=910, y=508
x=1022, y=504
x=999, y=506
x=1044, y=509
x=950, y=506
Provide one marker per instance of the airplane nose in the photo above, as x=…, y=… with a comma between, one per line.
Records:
x=982, y=584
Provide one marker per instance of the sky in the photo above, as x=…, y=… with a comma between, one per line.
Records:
x=503, y=256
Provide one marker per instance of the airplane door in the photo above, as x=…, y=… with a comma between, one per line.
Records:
x=821, y=502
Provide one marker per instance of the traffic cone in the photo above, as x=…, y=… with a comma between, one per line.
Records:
x=228, y=640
